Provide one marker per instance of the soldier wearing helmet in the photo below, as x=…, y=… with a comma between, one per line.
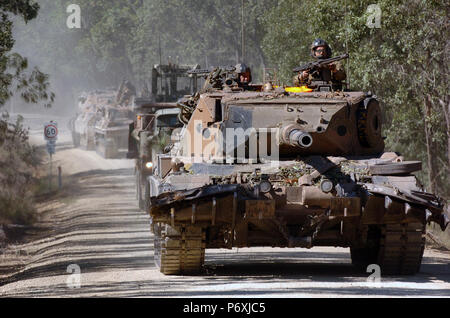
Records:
x=333, y=73
x=244, y=75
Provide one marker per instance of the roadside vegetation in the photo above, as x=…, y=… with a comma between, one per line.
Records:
x=18, y=159
x=19, y=162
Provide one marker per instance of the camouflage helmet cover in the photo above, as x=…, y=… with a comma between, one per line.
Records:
x=319, y=42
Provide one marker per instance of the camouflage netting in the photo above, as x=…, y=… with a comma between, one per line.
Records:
x=18, y=163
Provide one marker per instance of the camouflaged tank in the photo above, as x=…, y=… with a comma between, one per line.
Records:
x=271, y=167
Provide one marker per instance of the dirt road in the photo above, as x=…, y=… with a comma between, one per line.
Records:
x=96, y=227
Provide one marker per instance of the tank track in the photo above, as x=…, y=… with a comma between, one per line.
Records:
x=398, y=249
x=401, y=248
x=179, y=250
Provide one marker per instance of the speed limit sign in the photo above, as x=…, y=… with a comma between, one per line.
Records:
x=51, y=131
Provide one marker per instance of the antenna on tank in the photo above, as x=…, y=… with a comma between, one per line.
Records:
x=160, y=53
x=160, y=61
x=346, y=45
x=242, y=33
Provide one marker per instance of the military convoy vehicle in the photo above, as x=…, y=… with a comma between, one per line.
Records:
x=102, y=121
x=111, y=132
x=171, y=81
x=156, y=117
x=153, y=134
x=283, y=169
x=112, y=128
x=82, y=125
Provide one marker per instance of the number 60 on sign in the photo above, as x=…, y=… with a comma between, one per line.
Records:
x=51, y=131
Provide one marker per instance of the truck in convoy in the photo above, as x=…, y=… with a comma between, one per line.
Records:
x=156, y=118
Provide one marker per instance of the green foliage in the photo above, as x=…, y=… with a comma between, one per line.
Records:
x=403, y=62
x=26, y=8
x=32, y=86
x=122, y=39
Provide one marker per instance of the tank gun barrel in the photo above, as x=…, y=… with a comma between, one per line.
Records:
x=300, y=138
x=295, y=136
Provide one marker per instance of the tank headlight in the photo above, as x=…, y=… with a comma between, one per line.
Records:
x=149, y=165
x=326, y=186
x=265, y=186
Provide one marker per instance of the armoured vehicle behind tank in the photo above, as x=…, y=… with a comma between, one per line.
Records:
x=156, y=117
x=89, y=112
x=111, y=130
x=280, y=169
x=153, y=134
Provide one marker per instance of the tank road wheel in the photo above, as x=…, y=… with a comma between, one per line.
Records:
x=396, y=248
x=369, y=124
x=179, y=250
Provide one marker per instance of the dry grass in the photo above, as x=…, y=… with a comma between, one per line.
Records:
x=18, y=173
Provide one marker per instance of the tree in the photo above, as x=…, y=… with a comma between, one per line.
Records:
x=32, y=86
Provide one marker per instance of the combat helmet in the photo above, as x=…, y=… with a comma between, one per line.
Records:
x=243, y=68
x=320, y=42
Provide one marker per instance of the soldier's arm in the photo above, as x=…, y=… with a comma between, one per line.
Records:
x=296, y=80
x=302, y=78
x=338, y=71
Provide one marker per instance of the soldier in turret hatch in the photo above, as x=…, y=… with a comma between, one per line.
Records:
x=244, y=78
x=244, y=75
x=332, y=73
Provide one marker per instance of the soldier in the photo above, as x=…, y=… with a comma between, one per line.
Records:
x=125, y=93
x=331, y=73
x=244, y=75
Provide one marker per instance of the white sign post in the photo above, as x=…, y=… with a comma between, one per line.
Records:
x=51, y=135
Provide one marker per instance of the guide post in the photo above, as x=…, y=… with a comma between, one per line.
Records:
x=51, y=135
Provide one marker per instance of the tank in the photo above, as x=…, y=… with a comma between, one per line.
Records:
x=275, y=168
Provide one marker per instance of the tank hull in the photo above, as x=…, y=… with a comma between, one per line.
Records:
x=369, y=202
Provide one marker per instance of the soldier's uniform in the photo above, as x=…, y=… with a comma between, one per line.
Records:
x=333, y=73
x=325, y=74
